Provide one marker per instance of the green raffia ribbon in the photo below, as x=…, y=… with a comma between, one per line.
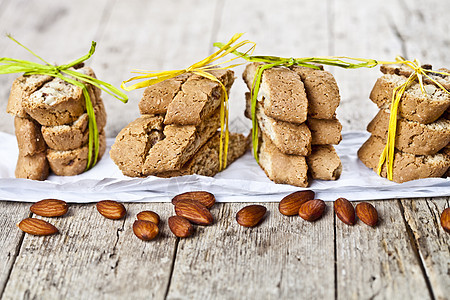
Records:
x=387, y=156
x=10, y=65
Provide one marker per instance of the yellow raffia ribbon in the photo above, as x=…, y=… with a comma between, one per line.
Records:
x=64, y=72
x=387, y=156
x=346, y=63
x=202, y=68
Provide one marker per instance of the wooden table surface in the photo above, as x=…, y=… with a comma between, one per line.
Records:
x=406, y=256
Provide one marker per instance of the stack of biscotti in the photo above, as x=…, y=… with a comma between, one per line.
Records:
x=296, y=115
x=177, y=132
x=51, y=125
x=423, y=127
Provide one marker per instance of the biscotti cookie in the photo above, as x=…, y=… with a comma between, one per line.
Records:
x=198, y=98
x=322, y=92
x=414, y=106
x=282, y=93
x=133, y=142
x=413, y=137
x=29, y=137
x=75, y=135
x=179, y=145
x=280, y=167
x=73, y=162
x=325, y=132
x=288, y=137
x=406, y=166
x=22, y=88
x=33, y=167
x=206, y=161
x=324, y=163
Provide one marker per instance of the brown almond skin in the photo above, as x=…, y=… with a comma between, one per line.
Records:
x=145, y=230
x=148, y=215
x=194, y=211
x=37, y=227
x=49, y=208
x=180, y=226
x=290, y=205
x=205, y=198
x=251, y=215
x=345, y=211
x=367, y=213
x=111, y=209
x=445, y=219
x=312, y=210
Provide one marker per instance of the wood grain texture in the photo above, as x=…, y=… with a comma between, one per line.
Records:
x=432, y=242
x=379, y=262
x=10, y=237
x=94, y=257
x=282, y=258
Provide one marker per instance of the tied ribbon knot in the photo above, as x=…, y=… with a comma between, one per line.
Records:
x=66, y=73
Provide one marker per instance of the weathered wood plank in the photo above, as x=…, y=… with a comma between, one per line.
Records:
x=283, y=258
x=378, y=263
x=10, y=237
x=433, y=243
x=94, y=257
x=150, y=35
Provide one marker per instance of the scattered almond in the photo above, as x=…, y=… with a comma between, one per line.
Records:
x=180, y=226
x=290, y=205
x=251, y=215
x=445, y=219
x=194, y=211
x=37, y=227
x=312, y=210
x=145, y=230
x=345, y=211
x=367, y=213
x=148, y=215
x=111, y=209
x=205, y=198
x=49, y=208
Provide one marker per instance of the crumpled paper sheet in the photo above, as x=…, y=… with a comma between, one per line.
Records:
x=242, y=181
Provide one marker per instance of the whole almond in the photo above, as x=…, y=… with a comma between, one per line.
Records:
x=345, y=211
x=180, y=226
x=312, y=210
x=251, y=215
x=37, y=227
x=145, y=230
x=111, y=209
x=205, y=198
x=290, y=205
x=148, y=215
x=194, y=211
x=49, y=208
x=445, y=219
x=367, y=213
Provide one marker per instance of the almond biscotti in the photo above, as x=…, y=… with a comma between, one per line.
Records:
x=324, y=163
x=29, y=136
x=33, y=167
x=406, y=166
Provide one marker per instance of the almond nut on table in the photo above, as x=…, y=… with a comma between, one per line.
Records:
x=205, y=198
x=194, y=211
x=290, y=205
x=180, y=226
x=37, y=227
x=345, y=211
x=251, y=215
x=445, y=219
x=367, y=213
x=312, y=210
x=111, y=209
x=49, y=208
x=145, y=230
x=148, y=215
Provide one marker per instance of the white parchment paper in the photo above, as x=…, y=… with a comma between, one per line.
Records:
x=242, y=181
